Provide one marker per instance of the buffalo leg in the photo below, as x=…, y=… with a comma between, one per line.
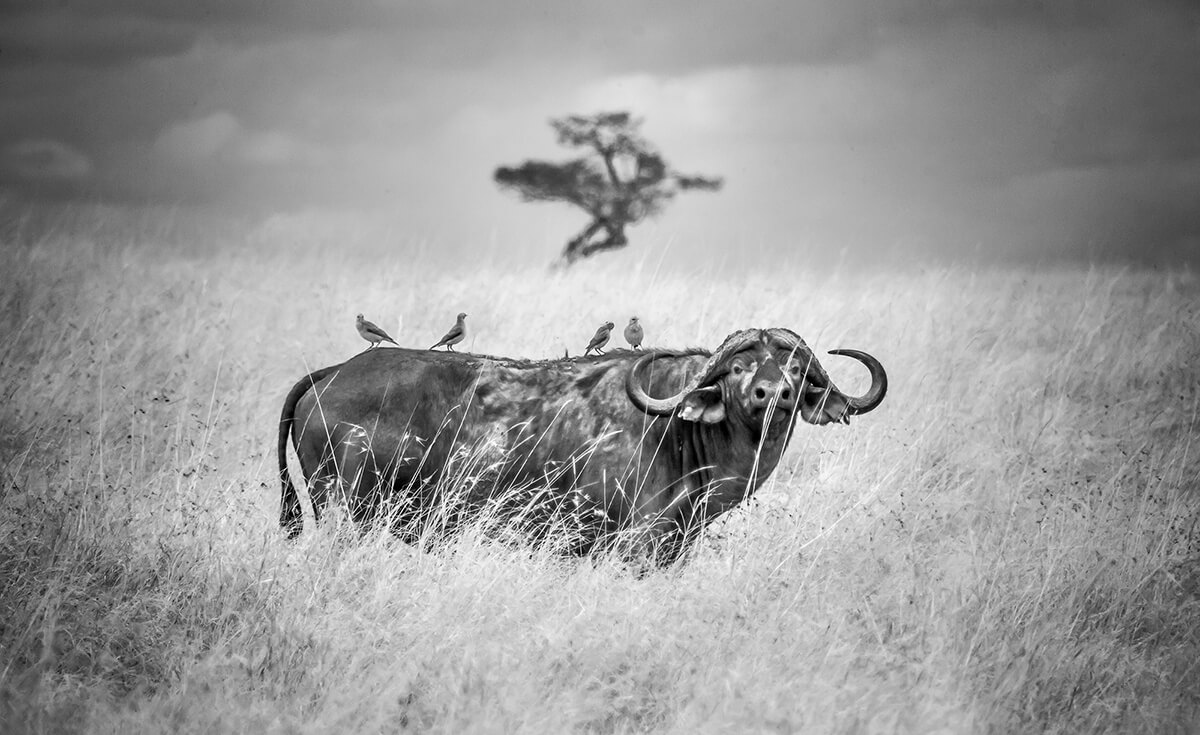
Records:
x=322, y=483
x=358, y=477
x=347, y=474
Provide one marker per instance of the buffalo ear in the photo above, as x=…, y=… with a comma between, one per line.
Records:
x=703, y=405
x=823, y=406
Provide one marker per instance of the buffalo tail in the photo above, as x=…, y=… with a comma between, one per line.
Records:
x=291, y=518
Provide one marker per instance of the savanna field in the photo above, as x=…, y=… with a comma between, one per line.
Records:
x=1010, y=543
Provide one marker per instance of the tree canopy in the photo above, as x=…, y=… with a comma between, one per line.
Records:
x=620, y=180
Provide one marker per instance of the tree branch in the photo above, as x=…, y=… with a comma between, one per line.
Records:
x=608, y=164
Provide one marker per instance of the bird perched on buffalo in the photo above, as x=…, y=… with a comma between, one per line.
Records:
x=634, y=333
x=600, y=338
x=371, y=332
x=456, y=334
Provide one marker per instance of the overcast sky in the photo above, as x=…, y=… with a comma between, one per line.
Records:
x=900, y=128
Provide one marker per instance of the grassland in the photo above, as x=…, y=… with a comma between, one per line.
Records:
x=1010, y=544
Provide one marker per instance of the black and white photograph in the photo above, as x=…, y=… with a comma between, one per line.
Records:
x=470, y=366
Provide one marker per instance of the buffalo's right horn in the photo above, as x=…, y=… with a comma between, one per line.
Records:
x=734, y=344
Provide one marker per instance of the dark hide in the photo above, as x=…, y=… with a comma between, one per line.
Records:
x=551, y=444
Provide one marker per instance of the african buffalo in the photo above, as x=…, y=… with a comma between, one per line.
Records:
x=412, y=433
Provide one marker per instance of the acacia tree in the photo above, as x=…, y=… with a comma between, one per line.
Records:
x=620, y=181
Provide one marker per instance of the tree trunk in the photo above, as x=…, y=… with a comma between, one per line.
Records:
x=582, y=246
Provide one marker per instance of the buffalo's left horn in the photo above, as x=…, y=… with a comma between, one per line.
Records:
x=879, y=383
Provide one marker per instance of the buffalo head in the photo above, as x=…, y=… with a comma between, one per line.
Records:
x=761, y=379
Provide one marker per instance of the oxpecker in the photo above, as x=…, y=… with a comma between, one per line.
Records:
x=600, y=338
x=456, y=334
x=371, y=332
x=634, y=334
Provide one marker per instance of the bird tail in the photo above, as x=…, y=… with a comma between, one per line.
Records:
x=291, y=519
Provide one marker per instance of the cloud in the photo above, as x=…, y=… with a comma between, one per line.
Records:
x=106, y=33
x=200, y=139
x=221, y=138
x=273, y=147
x=621, y=35
x=40, y=34
x=1140, y=212
x=45, y=160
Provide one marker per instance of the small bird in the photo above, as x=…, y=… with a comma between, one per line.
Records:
x=634, y=334
x=371, y=332
x=600, y=338
x=456, y=334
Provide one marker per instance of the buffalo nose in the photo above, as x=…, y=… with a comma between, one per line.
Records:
x=765, y=391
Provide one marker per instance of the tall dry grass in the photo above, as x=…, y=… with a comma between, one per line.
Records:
x=1010, y=543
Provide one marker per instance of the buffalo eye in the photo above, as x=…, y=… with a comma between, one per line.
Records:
x=738, y=370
